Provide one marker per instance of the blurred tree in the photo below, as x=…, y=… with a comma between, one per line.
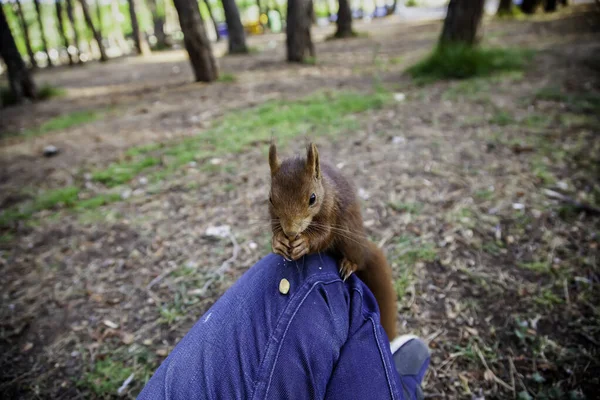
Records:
x=462, y=22
x=19, y=79
x=116, y=27
x=42, y=31
x=344, y=20
x=298, y=22
x=504, y=7
x=25, y=29
x=71, y=17
x=530, y=6
x=99, y=17
x=550, y=5
x=90, y=24
x=392, y=9
x=158, y=20
x=212, y=18
x=141, y=45
x=235, y=29
x=61, y=29
x=195, y=40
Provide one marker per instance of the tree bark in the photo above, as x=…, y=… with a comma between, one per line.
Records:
x=20, y=81
x=530, y=6
x=196, y=42
x=504, y=7
x=25, y=29
x=298, y=21
x=158, y=21
x=41, y=24
x=99, y=16
x=61, y=30
x=141, y=46
x=462, y=22
x=344, y=20
x=71, y=17
x=235, y=29
x=90, y=24
x=550, y=5
x=212, y=18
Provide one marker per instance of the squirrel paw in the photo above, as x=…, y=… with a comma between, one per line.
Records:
x=299, y=247
x=280, y=245
x=347, y=268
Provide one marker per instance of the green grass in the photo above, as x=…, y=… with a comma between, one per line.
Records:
x=411, y=208
x=411, y=3
x=228, y=78
x=106, y=377
x=537, y=266
x=44, y=93
x=458, y=61
x=122, y=172
x=514, y=12
x=62, y=122
x=578, y=102
x=502, y=118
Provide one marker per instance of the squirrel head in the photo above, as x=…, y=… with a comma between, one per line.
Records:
x=297, y=190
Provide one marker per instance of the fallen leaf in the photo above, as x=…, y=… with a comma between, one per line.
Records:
x=28, y=346
x=162, y=352
x=110, y=324
x=127, y=338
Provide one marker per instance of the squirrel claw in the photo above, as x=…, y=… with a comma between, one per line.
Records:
x=347, y=268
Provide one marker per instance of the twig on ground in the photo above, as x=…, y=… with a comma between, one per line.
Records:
x=494, y=377
x=121, y=389
x=161, y=276
x=512, y=377
x=575, y=203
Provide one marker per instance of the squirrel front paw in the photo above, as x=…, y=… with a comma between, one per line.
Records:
x=347, y=267
x=299, y=247
x=281, y=245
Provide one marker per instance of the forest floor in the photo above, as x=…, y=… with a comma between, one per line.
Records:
x=105, y=258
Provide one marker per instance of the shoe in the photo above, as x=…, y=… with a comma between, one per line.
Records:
x=411, y=358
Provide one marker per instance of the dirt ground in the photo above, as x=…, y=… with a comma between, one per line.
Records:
x=459, y=182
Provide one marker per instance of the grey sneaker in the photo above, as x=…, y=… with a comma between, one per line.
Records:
x=411, y=358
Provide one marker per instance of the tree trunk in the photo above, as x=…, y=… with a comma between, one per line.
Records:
x=25, y=29
x=71, y=16
x=504, y=7
x=550, y=5
x=141, y=46
x=20, y=81
x=462, y=22
x=344, y=20
x=196, y=42
x=530, y=6
x=158, y=21
x=61, y=29
x=117, y=30
x=298, y=21
x=90, y=24
x=235, y=29
x=212, y=18
x=392, y=10
x=41, y=24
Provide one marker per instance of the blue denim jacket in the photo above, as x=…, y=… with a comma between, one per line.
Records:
x=321, y=340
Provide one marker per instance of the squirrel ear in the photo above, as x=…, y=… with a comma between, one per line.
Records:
x=312, y=161
x=273, y=161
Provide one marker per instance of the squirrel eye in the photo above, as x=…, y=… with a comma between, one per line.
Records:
x=313, y=198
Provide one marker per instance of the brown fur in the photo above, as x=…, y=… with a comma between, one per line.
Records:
x=332, y=224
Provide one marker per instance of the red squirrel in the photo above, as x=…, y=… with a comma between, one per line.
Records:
x=314, y=208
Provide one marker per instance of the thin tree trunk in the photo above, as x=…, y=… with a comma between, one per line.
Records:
x=530, y=6
x=118, y=31
x=141, y=46
x=158, y=21
x=298, y=22
x=90, y=24
x=196, y=42
x=212, y=18
x=392, y=10
x=344, y=20
x=19, y=78
x=71, y=16
x=462, y=22
x=61, y=29
x=41, y=24
x=235, y=29
x=550, y=5
x=25, y=29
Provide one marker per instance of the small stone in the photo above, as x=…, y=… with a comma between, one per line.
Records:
x=252, y=245
x=162, y=352
x=127, y=338
x=221, y=231
x=363, y=194
x=143, y=180
x=284, y=286
x=398, y=140
x=147, y=342
x=125, y=194
x=399, y=97
x=50, y=151
x=518, y=206
x=216, y=161
x=562, y=185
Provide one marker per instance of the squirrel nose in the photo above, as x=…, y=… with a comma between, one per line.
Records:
x=291, y=235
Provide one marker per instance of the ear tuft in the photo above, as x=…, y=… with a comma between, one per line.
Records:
x=312, y=161
x=274, y=163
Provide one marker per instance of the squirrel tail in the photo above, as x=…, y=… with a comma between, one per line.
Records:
x=377, y=275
